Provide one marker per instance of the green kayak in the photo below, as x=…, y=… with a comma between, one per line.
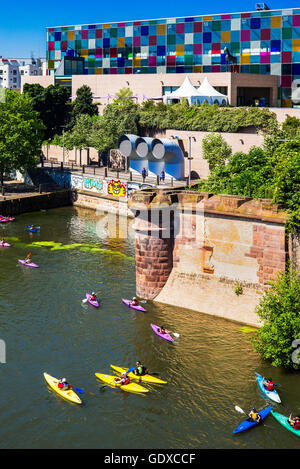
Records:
x=284, y=422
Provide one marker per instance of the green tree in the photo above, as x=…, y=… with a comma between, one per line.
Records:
x=279, y=311
x=21, y=133
x=52, y=105
x=123, y=97
x=83, y=104
x=216, y=150
x=291, y=126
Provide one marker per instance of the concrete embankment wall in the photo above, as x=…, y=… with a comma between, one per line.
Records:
x=215, y=248
x=36, y=202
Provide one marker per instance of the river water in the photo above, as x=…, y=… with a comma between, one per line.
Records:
x=209, y=369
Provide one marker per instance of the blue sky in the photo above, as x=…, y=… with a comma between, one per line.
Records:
x=23, y=24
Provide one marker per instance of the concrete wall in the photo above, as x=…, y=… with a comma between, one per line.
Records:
x=35, y=202
x=213, y=244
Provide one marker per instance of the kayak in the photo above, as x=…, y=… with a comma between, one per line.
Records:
x=29, y=264
x=5, y=245
x=69, y=394
x=4, y=220
x=284, y=422
x=145, y=378
x=130, y=387
x=94, y=303
x=33, y=230
x=273, y=395
x=128, y=303
x=164, y=336
x=247, y=424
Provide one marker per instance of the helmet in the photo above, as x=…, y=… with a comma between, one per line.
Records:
x=134, y=298
x=253, y=409
x=124, y=373
x=64, y=380
x=93, y=293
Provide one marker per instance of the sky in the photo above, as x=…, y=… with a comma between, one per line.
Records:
x=23, y=24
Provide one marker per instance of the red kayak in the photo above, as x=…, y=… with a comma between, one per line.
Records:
x=128, y=303
x=93, y=303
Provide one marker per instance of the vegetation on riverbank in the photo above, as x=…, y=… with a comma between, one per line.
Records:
x=279, y=310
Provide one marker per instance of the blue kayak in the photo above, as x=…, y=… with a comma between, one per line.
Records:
x=273, y=395
x=33, y=230
x=248, y=423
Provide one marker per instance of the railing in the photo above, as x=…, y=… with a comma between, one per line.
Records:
x=105, y=172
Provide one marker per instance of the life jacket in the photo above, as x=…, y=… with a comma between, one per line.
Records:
x=270, y=386
x=127, y=381
x=297, y=425
x=141, y=370
x=254, y=416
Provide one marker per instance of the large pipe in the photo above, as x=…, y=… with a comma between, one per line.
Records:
x=171, y=153
x=127, y=148
x=143, y=147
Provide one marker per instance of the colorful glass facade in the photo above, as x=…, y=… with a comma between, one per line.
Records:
x=265, y=42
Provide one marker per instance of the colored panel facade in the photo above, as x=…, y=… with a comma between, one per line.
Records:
x=265, y=42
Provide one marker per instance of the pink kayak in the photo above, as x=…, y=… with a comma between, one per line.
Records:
x=164, y=336
x=29, y=264
x=4, y=220
x=94, y=303
x=128, y=303
x=5, y=245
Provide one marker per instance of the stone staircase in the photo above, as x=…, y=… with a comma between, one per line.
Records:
x=41, y=180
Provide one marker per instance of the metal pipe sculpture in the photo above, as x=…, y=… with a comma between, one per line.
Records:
x=143, y=147
x=169, y=151
x=128, y=150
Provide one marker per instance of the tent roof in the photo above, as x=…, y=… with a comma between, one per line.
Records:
x=206, y=89
x=186, y=90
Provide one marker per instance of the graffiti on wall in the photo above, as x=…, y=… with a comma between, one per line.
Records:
x=116, y=188
x=93, y=183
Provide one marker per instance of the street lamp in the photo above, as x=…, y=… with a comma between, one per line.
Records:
x=63, y=134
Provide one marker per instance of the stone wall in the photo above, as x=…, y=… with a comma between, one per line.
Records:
x=36, y=202
x=213, y=245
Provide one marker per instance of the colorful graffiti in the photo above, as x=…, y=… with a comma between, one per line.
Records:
x=116, y=188
x=91, y=183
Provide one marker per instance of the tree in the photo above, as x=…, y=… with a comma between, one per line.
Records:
x=279, y=311
x=52, y=105
x=83, y=104
x=215, y=150
x=21, y=133
x=123, y=97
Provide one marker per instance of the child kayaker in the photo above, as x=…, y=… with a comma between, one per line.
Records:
x=123, y=379
x=254, y=415
x=28, y=259
x=268, y=384
x=2, y=241
x=295, y=422
x=93, y=297
x=134, y=301
x=63, y=384
x=140, y=369
x=162, y=330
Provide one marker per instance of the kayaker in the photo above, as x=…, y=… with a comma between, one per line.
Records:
x=28, y=259
x=162, y=330
x=268, y=384
x=93, y=297
x=63, y=384
x=254, y=415
x=134, y=301
x=123, y=379
x=140, y=369
x=294, y=422
x=2, y=241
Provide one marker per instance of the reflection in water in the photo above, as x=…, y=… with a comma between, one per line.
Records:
x=209, y=369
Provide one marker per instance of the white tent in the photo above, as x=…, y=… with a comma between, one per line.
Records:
x=210, y=94
x=186, y=90
x=205, y=93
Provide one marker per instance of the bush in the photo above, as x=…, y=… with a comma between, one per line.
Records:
x=279, y=310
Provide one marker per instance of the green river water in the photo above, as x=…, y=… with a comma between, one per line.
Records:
x=45, y=326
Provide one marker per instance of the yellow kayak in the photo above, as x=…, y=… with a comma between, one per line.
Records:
x=146, y=378
x=69, y=394
x=130, y=387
